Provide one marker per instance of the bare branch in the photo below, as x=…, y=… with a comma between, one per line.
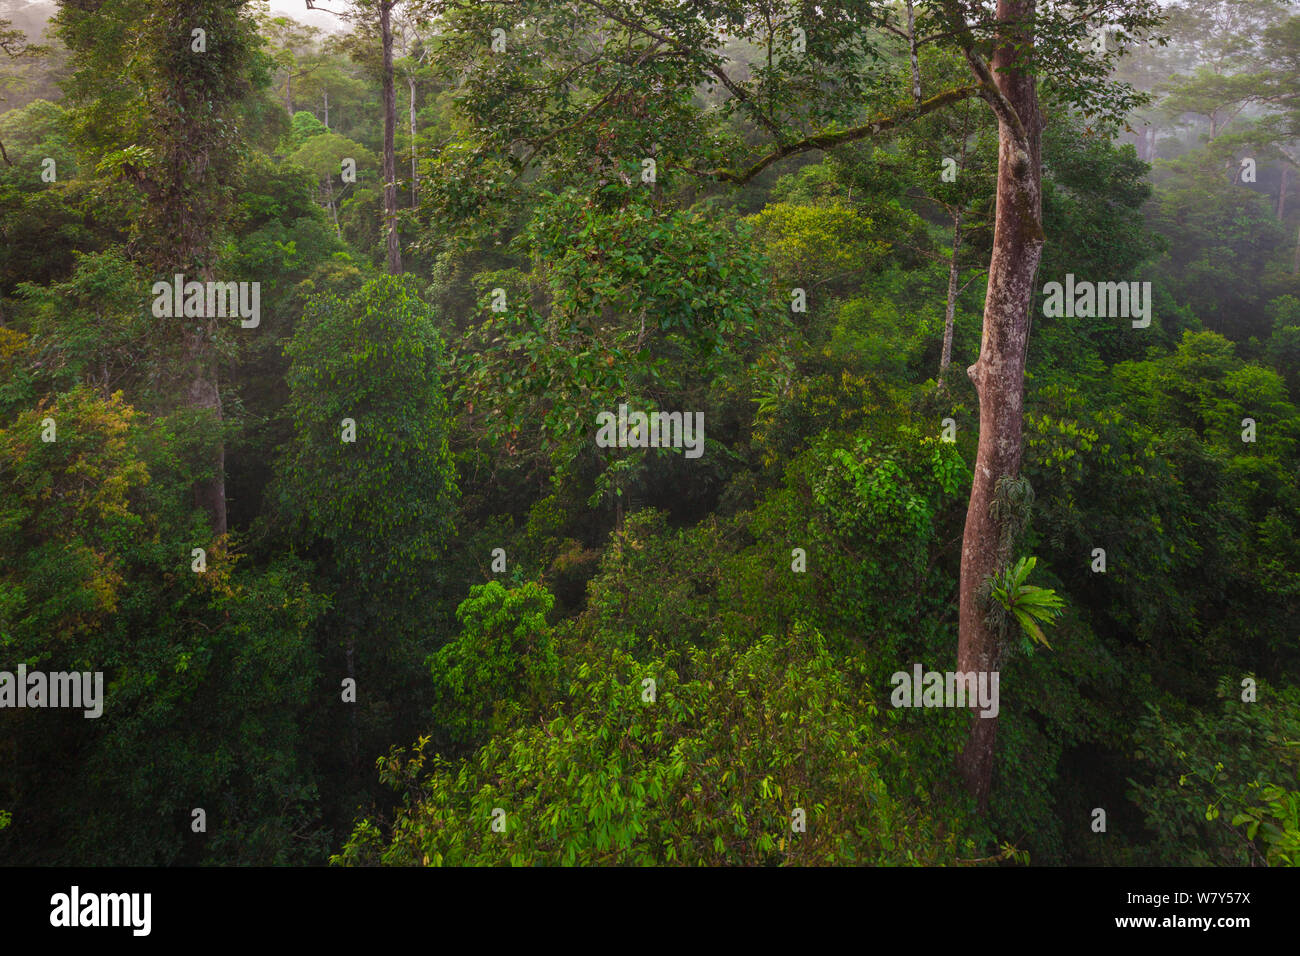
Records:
x=829, y=140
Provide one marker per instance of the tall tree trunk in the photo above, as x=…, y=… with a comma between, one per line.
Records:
x=1281, y=193
x=998, y=374
x=185, y=207
x=334, y=211
x=1147, y=144
x=288, y=92
x=414, y=175
x=950, y=311
x=191, y=127
x=916, y=63
x=327, y=108
x=390, y=131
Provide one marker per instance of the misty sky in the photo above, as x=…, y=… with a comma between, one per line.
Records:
x=317, y=18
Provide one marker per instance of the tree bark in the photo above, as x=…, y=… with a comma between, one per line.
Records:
x=1147, y=144
x=998, y=374
x=916, y=63
x=390, y=131
x=414, y=175
x=334, y=212
x=950, y=311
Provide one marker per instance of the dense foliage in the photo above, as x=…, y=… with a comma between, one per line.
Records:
x=445, y=625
